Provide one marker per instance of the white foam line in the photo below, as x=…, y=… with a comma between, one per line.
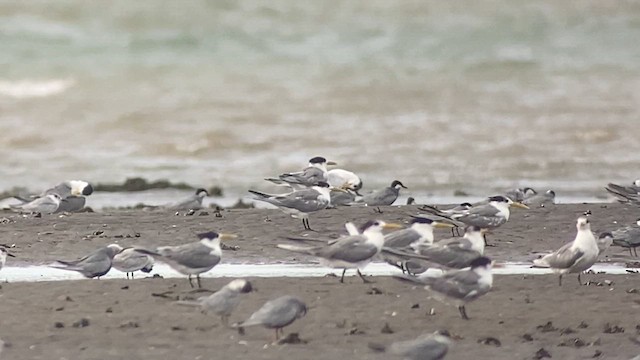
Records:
x=45, y=273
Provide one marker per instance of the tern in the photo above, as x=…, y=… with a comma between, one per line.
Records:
x=130, y=260
x=574, y=257
x=625, y=193
x=349, y=252
x=540, y=200
x=3, y=256
x=425, y=347
x=47, y=204
x=96, y=264
x=628, y=237
x=385, y=196
x=420, y=232
x=299, y=203
x=519, y=194
x=72, y=195
x=491, y=215
x=344, y=179
x=315, y=172
x=192, y=202
x=194, y=258
x=462, y=286
x=224, y=301
x=276, y=314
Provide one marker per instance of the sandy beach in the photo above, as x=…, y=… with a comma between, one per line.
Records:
x=137, y=320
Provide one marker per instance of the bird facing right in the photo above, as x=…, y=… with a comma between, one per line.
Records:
x=574, y=257
x=276, y=314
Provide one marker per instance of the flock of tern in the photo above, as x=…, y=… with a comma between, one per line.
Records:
x=466, y=271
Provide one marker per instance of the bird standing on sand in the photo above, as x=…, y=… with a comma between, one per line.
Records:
x=315, y=172
x=344, y=179
x=129, y=260
x=385, y=196
x=628, y=237
x=489, y=216
x=276, y=314
x=574, y=257
x=540, y=200
x=3, y=256
x=426, y=347
x=47, y=204
x=462, y=286
x=349, y=252
x=193, y=202
x=194, y=258
x=224, y=301
x=625, y=193
x=299, y=203
x=96, y=264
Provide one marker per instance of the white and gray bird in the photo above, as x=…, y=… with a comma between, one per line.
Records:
x=383, y=197
x=425, y=347
x=194, y=258
x=628, y=237
x=605, y=240
x=276, y=314
x=3, y=256
x=419, y=233
x=519, y=194
x=224, y=301
x=624, y=193
x=342, y=198
x=315, y=172
x=349, y=252
x=192, y=202
x=96, y=264
x=344, y=179
x=574, y=257
x=72, y=195
x=47, y=204
x=460, y=286
x=130, y=260
x=299, y=203
x=491, y=215
x=540, y=200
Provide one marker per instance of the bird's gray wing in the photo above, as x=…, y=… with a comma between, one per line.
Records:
x=71, y=204
x=453, y=257
x=193, y=255
x=350, y=249
x=482, y=221
x=485, y=210
x=383, y=197
x=564, y=258
x=629, y=235
x=275, y=313
x=401, y=238
x=461, y=284
x=305, y=200
x=191, y=202
x=43, y=204
x=423, y=348
x=63, y=189
x=339, y=198
x=308, y=177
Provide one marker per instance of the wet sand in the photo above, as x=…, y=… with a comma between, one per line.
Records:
x=126, y=320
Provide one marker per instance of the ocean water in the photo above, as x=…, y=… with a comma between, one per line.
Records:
x=468, y=95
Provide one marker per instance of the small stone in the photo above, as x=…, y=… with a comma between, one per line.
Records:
x=541, y=354
x=60, y=308
x=609, y=329
x=109, y=310
x=386, y=329
x=203, y=213
x=374, y=291
x=292, y=338
x=190, y=212
x=126, y=287
x=583, y=325
x=415, y=306
x=597, y=353
x=84, y=322
x=432, y=312
x=58, y=325
x=490, y=341
x=177, y=328
x=129, y=325
x=548, y=327
x=608, y=282
x=355, y=331
x=527, y=337
x=632, y=291
x=567, y=331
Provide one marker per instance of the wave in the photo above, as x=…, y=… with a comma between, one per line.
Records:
x=25, y=89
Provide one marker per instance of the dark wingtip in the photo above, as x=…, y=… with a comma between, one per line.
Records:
x=481, y=261
x=208, y=235
x=88, y=190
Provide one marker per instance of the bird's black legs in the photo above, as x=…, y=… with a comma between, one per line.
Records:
x=463, y=312
x=364, y=280
x=560, y=280
x=305, y=223
x=342, y=277
x=579, y=282
x=198, y=278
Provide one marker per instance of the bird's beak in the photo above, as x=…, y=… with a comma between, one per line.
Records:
x=442, y=225
x=484, y=231
x=332, y=163
x=404, y=187
x=228, y=236
x=333, y=188
x=392, y=226
x=520, y=205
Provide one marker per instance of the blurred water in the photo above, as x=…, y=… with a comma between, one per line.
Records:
x=442, y=95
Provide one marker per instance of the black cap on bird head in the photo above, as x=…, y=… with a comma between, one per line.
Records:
x=208, y=235
x=202, y=190
x=499, y=198
x=369, y=224
x=551, y=192
x=396, y=183
x=481, y=261
x=317, y=160
x=605, y=235
x=88, y=190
